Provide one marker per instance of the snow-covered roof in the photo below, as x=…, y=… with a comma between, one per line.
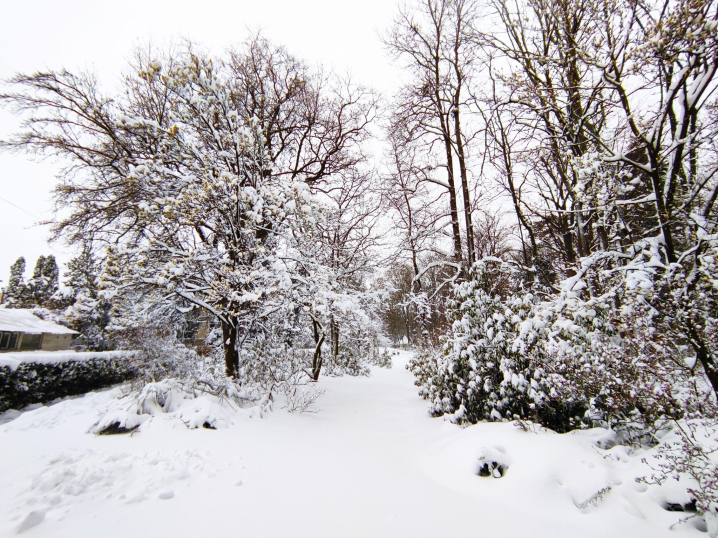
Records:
x=24, y=321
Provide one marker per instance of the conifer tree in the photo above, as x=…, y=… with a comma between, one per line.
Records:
x=89, y=314
x=82, y=273
x=45, y=281
x=16, y=293
x=51, y=279
x=35, y=285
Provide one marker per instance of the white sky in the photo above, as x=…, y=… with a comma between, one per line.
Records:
x=78, y=34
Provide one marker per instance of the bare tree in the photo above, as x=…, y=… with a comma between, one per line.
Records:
x=435, y=40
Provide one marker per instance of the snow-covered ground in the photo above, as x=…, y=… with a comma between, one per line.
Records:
x=371, y=463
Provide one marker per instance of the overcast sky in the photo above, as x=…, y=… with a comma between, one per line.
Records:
x=82, y=34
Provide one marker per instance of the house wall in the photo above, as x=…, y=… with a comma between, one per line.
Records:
x=56, y=342
x=201, y=335
x=8, y=338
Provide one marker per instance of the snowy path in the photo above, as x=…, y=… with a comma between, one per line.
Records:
x=372, y=463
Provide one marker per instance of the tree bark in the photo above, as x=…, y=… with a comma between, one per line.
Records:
x=464, y=186
x=453, y=206
x=335, y=339
x=317, y=359
x=231, y=353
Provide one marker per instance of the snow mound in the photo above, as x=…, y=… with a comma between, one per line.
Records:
x=56, y=414
x=169, y=399
x=578, y=474
x=31, y=520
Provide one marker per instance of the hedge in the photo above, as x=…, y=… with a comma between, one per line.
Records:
x=27, y=378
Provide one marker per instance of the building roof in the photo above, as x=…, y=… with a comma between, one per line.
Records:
x=24, y=321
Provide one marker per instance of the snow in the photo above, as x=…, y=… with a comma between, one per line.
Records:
x=23, y=320
x=13, y=360
x=371, y=462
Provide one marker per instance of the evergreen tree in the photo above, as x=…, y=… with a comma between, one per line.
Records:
x=89, y=314
x=50, y=279
x=17, y=293
x=45, y=281
x=35, y=283
x=82, y=274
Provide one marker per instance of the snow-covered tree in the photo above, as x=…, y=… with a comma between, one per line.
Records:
x=45, y=281
x=89, y=313
x=216, y=219
x=196, y=181
x=16, y=293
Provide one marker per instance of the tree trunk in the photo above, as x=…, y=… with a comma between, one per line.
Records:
x=453, y=206
x=464, y=186
x=335, y=339
x=317, y=359
x=231, y=353
x=446, y=132
x=704, y=356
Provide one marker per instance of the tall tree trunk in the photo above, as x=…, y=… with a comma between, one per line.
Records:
x=464, y=184
x=458, y=139
x=446, y=132
x=453, y=205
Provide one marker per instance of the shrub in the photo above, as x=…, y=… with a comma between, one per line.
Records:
x=38, y=380
x=492, y=366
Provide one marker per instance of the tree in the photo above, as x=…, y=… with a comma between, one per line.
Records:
x=45, y=281
x=82, y=273
x=195, y=176
x=89, y=313
x=212, y=242
x=16, y=293
x=604, y=178
x=436, y=41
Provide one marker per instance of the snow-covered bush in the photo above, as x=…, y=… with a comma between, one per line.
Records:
x=176, y=381
x=492, y=366
x=619, y=338
x=198, y=405
x=47, y=376
x=606, y=349
x=634, y=382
